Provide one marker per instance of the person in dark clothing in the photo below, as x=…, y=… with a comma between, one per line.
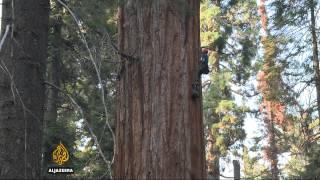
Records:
x=204, y=56
x=204, y=69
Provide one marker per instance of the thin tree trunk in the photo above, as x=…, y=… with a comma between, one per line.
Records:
x=54, y=68
x=269, y=56
x=315, y=53
x=213, y=159
x=159, y=125
x=53, y=76
x=273, y=150
x=236, y=169
x=215, y=171
x=22, y=88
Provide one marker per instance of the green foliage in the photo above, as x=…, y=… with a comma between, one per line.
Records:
x=228, y=29
x=304, y=166
x=208, y=26
x=78, y=79
x=252, y=169
x=290, y=22
x=60, y=130
x=304, y=154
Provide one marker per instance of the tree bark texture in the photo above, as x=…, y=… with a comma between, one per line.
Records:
x=159, y=131
x=22, y=88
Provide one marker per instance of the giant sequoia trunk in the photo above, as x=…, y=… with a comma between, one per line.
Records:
x=159, y=125
x=22, y=87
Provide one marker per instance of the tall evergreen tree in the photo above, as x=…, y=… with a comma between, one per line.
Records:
x=228, y=30
x=295, y=23
x=270, y=86
x=22, y=87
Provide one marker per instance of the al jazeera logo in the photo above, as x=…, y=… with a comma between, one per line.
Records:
x=60, y=156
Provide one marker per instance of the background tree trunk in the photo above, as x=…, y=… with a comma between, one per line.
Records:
x=315, y=56
x=159, y=125
x=54, y=66
x=236, y=169
x=53, y=75
x=269, y=48
x=22, y=97
x=213, y=158
x=273, y=149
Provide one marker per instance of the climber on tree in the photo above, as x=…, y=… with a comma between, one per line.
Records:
x=204, y=69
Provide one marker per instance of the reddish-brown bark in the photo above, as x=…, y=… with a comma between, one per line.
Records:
x=159, y=132
x=268, y=85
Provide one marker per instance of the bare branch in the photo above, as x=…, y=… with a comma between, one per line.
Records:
x=4, y=36
x=84, y=40
x=94, y=137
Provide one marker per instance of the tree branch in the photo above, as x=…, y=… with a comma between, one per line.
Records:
x=94, y=137
x=98, y=73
